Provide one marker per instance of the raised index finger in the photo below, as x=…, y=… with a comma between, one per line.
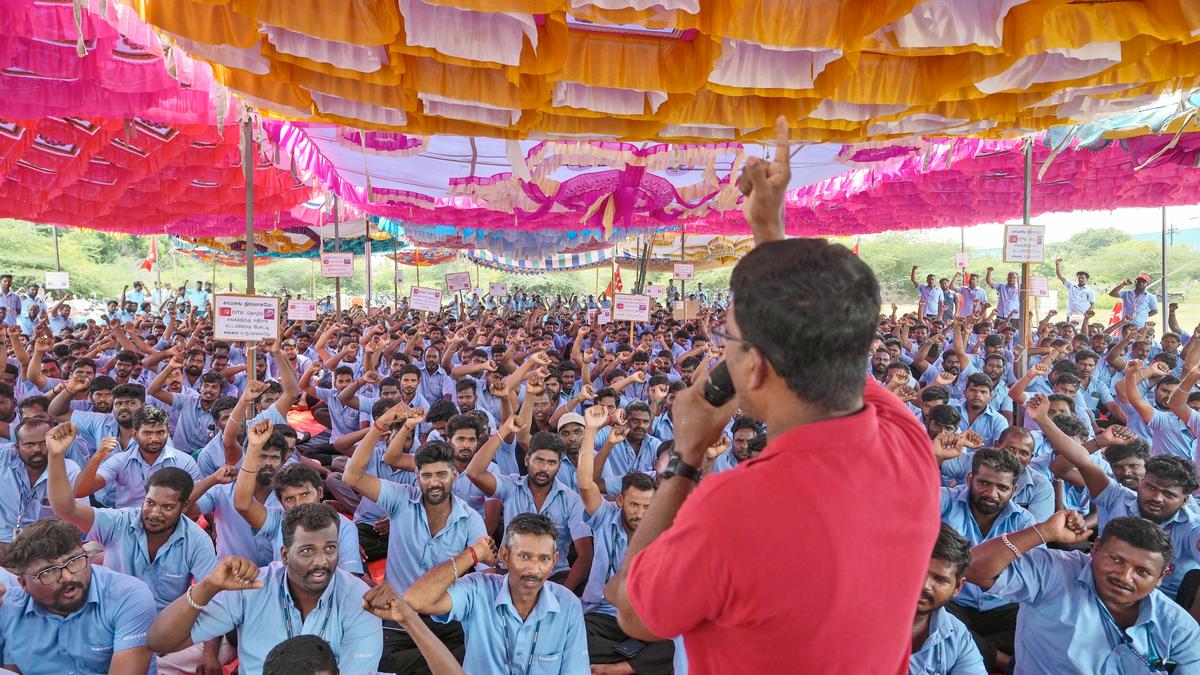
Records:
x=782, y=140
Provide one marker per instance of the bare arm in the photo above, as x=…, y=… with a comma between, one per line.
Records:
x=58, y=486
x=249, y=508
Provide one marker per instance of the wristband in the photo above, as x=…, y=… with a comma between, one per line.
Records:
x=190, y=601
x=1016, y=551
x=242, y=468
x=474, y=556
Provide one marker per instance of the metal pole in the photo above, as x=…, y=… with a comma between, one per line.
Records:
x=57, y=260
x=1163, y=290
x=157, y=265
x=367, y=260
x=1027, y=202
x=337, y=244
x=248, y=172
x=395, y=279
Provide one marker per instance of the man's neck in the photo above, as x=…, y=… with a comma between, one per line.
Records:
x=920, y=631
x=523, y=603
x=984, y=520
x=150, y=457
x=262, y=493
x=124, y=435
x=34, y=473
x=436, y=510
x=305, y=601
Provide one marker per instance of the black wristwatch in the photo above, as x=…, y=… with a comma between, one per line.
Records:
x=678, y=467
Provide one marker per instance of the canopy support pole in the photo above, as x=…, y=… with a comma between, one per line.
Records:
x=395, y=277
x=248, y=173
x=337, y=243
x=1027, y=203
x=367, y=260
x=57, y=259
x=1164, y=304
x=157, y=266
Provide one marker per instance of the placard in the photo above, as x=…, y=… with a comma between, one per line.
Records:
x=425, y=299
x=399, y=275
x=654, y=290
x=960, y=260
x=58, y=280
x=337, y=265
x=684, y=271
x=1024, y=243
x=458, y=281
x=497, y=290
x=631, y=307
x=591, y=316
x=303, y=310
x=604, y=316
x=245, y=318
x=1039, y=287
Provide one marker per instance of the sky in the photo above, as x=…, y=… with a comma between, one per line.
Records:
x=1061, y=226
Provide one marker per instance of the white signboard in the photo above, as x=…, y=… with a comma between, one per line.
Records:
x=604, y=317
x=1039, y=287
x=337, y=265
x=684, y=272
x=246, y=318
x=399, y=275
x=425, y=299
x=654, y=290
x=459, y=281
x=497, y=290
x=303, y=310
x=960, y=260
x=1024, y=243
x=58, y=280
x=591, y=316
x=631, y=307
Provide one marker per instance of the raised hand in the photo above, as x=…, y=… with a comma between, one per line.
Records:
x=394, y=415
x=971, y=439
x=1064, y=527
x=1038, y=407
x=947, y=445
x=1114, y=435
x=234, y=573
x=595, y=417
x=60, y=438
x=415, y=418
x=511, y=426
x=224, y=475
x=485, y=550
x=764, y=185
x=258, y=434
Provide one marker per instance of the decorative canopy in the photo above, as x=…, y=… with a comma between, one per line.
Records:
x=690, y=70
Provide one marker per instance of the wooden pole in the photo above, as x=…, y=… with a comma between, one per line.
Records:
x=1028, y=199
x=248, y=174
x=337, y=243
x=57, y=259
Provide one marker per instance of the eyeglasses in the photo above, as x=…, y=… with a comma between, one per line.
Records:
x=720, y=333
x=53, y=574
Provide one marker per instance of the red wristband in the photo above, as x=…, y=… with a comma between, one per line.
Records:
x=474, y=556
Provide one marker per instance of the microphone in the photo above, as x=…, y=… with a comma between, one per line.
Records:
x=718, y=390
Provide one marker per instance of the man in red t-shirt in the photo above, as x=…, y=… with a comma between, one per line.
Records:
x=810, y=557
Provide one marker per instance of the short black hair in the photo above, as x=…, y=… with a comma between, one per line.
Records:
x=221, y=405
x=547, y=440
x=1138, y=447
x=301, y=655
x=130, y=390
x=410, y=369
x=1070, y=425
x=460, y=422
x=434, y=452
x=296, y=475
x=980, y=380
x=102, y=383
x=312, y=517
x=638, y=406
x=798, y=298
x=465, y=384
x=1064, y=399
x=173, y=478
x=1169, y=359
x=1175, y=469
x=530, y=523
x=998, y=460
x=935, y=393
x=953, y=548
x=46, y=539
x=440, y=411
x=150, y=414
x=1139, y=533
x=636, y=480
x=945, y=415
x=741, y=422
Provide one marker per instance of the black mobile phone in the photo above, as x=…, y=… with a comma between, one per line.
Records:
x=719, y=388
x=629, y=648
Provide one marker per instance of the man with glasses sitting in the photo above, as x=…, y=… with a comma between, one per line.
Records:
x=68, y=616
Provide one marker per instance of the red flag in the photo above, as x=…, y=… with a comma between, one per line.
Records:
x=617, y=281
x=1116, y=315
x=857, y=241
x=151, y=257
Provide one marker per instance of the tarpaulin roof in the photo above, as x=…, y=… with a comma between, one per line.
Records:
x=690, y=70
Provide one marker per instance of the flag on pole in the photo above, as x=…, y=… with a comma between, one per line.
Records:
x=857, y=241
x=1118, y=311
x=151, y=257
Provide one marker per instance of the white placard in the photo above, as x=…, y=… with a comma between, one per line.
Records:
x=458, y=281
x=58, y=280
x=245, y=318
x=1024, y=243
x=684, y=271
x=399, y=275
x=604, y=316
x=654, y=290
x=678, y=306
x=425, y=299
x=1039, y=287
x=303, y=310
x=337, y=265
x=591, y=316
x=960, y=260
x=631, y=307
x=497, y=290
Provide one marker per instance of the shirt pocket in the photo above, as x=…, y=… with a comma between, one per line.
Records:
x=546, y=664
x=96, y=656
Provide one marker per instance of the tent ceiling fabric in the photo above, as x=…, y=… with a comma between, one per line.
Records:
x=690, y=70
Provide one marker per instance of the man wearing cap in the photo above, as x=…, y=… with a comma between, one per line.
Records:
x=1137, y=305
x=570, y=428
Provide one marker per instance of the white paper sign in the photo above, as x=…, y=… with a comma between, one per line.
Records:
x=591, y=316
x=425, y=299
x=654, y=290
x=631, y=307
x=399, y=275
x=458, y=281
x=1024, y=243
x=337, y=265
x=960, y=260
x=1039, y=287
x=604, y=317
x=497, y=290
x=683, y=271
x=58, y=280
x=246, y=318
x=304, y=310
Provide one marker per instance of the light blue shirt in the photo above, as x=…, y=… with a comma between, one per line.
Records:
x=1136, y=308
x=969, y=296
x=1170, y=436
x=624, y=459
x=93, y=427
x=956, y=512
x=609, y=541
x=1032, y=491
x=186, y=555
x=193, y=424
x=12, y=301
x=126, y=472
x=412, y=550
x=435, y=386
x=22, y=504
x=562, y=506
x=266, y=616
x=115, y=617
x=552, y=639
x=1007, y=299
x=989, y=424
x=234, y=536
x=349, y=558
x=1183, y=528
x=1064, y=628
x=933, y=297
x=949, y=649
x=345, y=419
x=1079, y=298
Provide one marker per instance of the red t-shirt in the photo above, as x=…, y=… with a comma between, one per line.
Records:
x=807, y=559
